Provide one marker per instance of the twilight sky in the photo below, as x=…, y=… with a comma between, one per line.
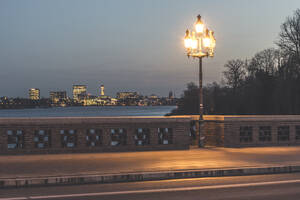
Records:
x=127, y=45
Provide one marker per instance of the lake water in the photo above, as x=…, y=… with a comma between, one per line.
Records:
x=91, y=111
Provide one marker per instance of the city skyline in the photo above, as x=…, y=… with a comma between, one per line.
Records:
x=99, y=92
x=81, y=97
x=54, y=44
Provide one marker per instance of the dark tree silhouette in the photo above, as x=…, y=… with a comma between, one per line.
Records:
x=266, y=61
x=234, y=73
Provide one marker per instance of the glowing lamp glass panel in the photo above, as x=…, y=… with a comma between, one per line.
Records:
x=199, y=27
x=188, y=43
x=207, y=42
x=213, y=44
x=194, y=44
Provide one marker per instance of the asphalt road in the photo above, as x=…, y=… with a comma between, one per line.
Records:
x=264, y=187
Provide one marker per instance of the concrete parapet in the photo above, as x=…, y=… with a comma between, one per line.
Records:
x=92, y=134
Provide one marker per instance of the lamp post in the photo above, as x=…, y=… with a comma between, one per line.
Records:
x=200, y=43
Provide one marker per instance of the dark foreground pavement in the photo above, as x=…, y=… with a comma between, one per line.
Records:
x=131, y=166
x=263, y=187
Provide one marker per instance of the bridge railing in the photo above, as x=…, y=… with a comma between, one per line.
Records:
x=93, y=134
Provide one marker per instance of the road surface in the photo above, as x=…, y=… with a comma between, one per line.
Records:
x=263, y=187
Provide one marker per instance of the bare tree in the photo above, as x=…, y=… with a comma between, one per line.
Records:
x=289, y=36
x=234, y=73
x=266, y=61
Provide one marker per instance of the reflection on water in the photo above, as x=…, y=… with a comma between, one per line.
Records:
x=91, y=111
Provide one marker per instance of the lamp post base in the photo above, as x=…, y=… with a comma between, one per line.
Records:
x=200, y=138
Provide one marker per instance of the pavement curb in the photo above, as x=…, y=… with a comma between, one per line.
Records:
x=143, y=176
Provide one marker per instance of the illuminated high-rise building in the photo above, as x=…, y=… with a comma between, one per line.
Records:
x=79, y=92
x=34, y=94
x=102, y=90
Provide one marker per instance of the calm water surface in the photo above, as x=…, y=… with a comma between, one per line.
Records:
x=92, y=111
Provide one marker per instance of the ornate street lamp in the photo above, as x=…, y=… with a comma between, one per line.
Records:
x=199, y=44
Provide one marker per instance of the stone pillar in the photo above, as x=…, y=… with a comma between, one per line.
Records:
x=28, y=137
x=3, y=140
x=56, y=138
x=255, y=135
x=153, y=136
x=81, y=137
x=130, y=136
x=106, y=139
x=274, y=131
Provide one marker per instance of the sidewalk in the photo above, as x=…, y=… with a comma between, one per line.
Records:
x=63, y=165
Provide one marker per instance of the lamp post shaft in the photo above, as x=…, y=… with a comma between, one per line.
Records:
x=200, y=102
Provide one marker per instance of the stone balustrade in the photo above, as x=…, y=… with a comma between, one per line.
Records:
x=92, y=134
x=102, y=134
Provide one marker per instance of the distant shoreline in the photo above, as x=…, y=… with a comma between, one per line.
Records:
x=88, y=111
x=42, y=107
